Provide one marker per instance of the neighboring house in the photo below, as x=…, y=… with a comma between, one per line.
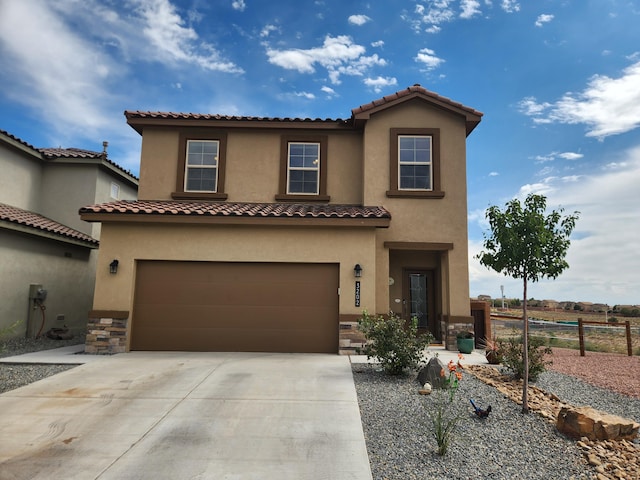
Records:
x=274, y=234
x=43, y=242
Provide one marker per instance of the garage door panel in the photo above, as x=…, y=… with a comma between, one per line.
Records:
x=207, y=306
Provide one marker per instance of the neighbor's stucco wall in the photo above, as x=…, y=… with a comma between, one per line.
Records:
x=66, y=188
x=128, y=243
x=65, y=271
x=252, y=164
x=21, y=179
x=417, y=219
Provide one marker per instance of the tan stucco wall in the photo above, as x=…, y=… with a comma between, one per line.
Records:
x=423, y=220
x=128, y=243
x=252, y=165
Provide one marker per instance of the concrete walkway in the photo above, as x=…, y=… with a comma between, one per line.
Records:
x=176, y=415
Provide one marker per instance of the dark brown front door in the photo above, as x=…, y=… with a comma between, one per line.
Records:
x=419, y=296
x=222, y=306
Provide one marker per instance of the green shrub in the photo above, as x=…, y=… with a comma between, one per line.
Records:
x=513, y=361
x=394, y=343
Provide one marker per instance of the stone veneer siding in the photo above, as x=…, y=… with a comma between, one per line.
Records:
x=107, y=332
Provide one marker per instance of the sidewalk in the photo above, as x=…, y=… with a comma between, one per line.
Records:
x=72, y=355
x=474, y=358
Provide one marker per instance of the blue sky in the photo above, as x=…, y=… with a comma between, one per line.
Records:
x=558, y=82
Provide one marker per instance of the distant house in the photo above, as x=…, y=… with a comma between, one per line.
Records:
x=43, y=242
x=550, y=304
x=274, y=234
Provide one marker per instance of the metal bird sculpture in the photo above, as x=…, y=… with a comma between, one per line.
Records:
x=480, y=412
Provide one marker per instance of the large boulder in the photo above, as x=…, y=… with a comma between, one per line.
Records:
x=430, y=373
x=578, y=422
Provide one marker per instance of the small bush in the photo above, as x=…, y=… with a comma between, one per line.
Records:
x=512, y=350
x=393, y=342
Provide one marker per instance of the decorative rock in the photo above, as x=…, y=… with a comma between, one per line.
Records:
x=431, y=373
x=588, y=422
x=426, y=389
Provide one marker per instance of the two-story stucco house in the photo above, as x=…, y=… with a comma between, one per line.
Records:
x=43, y=243
x=274, y=234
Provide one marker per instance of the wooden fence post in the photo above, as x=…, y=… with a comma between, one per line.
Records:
x=628, y=331
x=581, y=336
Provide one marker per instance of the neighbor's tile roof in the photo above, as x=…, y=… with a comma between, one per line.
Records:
x=81, y=153
x=237, y=209
x=29, y=219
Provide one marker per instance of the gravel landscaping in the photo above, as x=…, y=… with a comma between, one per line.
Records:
x=506, y=445
x=13, y=376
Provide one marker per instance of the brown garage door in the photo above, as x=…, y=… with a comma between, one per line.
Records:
x=253, y=307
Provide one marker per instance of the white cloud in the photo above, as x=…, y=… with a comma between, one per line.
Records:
x=378, y=43
x=510, y=6
x=171, y=41
x=429, y=58
x=608, y=106
x=470, y=8
x=358, y=19
x=380, y=82
x=307, y=95
x=266, y=31
x=339, y=55
x=328, y=90
x=549, y=157
x=493, y=174
x=239, y=5
x=570, y=155
x=62, y=76
x=603, y=255
x=542, y=19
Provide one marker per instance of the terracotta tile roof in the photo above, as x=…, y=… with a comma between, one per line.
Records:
x=137, y=118
x=25, y=218
x=237, y=209
x=409, y=91
x=19, y=140
x=69, y=153
x=473, y=116
x=205, y=116
x=80, y=153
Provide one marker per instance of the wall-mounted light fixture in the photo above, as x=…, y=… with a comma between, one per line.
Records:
x=357, y=270
x=113, y=266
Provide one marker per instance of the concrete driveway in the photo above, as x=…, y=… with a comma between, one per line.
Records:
x=151, y=415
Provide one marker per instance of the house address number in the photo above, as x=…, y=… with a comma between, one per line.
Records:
x=357, y=293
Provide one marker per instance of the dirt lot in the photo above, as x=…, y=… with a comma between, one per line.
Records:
x=616, y=372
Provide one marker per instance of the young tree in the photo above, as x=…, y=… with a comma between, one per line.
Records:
x=527, y=244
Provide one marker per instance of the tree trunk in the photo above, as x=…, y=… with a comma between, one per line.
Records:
x=525, y=351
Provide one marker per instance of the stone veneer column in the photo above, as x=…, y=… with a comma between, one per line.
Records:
x=107, y=332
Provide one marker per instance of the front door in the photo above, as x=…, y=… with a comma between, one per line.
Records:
x=418, y=299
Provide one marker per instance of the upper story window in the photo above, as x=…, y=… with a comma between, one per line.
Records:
x=414, y=163
x=303, y=168
x=201, y=165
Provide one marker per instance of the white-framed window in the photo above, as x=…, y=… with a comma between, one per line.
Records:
x=201, y=166
x=115, y=191
x=415, y=162
x=303, y=168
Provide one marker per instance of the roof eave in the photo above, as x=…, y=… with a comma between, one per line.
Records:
x=16, y=227
x=270, y=221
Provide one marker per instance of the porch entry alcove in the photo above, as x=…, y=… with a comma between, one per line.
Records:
x=416, y=272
